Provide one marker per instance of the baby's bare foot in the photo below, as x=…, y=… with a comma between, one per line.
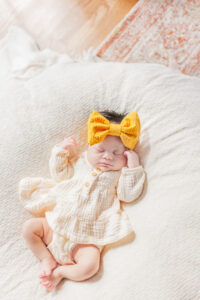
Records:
x=52, y=281
x=47, y=266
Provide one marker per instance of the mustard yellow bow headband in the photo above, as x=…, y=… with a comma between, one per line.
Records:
x=128, y=130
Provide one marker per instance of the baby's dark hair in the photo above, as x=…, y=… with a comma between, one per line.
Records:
x=112, y=116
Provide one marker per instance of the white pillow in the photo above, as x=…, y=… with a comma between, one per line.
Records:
x=162, y=261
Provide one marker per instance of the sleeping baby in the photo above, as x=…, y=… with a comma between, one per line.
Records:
x=77, y=211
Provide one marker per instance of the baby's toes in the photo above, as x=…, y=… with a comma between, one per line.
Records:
x=42, y=274
x=49, y=286
x=44, y=281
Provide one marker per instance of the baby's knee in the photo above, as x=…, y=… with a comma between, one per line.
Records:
x=30, y=227
x=90, y=268
x=27, y=228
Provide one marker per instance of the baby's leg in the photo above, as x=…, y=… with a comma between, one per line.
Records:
x=87, y=258
x=38, y=234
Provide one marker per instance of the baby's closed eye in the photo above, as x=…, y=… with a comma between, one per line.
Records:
x=117, y=152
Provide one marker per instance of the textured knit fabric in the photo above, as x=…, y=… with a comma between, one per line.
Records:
x=82, y=203
x=62, y=248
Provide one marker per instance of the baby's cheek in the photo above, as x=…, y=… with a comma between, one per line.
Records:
x=124, y=161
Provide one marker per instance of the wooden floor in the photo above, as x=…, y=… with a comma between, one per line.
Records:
x=64, y=25
x=97, y=19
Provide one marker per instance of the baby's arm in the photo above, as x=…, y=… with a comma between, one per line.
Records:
x=62, y=156
x=131, y=181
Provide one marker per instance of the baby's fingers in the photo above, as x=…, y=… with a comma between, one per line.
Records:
x=128, y=152
x=70, y=141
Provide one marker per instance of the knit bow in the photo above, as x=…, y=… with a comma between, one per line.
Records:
x=128, y=130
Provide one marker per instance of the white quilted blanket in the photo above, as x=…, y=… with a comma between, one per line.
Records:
x=45, y=96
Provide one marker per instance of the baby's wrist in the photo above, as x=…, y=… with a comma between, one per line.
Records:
x=133, y=163
x=132, y=166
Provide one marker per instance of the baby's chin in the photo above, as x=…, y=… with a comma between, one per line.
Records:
x=105, y=168
x=109, y=168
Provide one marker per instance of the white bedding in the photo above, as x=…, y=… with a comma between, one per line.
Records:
x=44, y=96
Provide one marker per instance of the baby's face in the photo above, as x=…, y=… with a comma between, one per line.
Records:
x=107, y=155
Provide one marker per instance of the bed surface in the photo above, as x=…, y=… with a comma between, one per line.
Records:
x=41, y=94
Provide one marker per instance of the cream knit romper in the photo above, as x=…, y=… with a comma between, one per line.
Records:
x=81, y=203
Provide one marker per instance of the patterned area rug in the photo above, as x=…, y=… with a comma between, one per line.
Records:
x=165, y=32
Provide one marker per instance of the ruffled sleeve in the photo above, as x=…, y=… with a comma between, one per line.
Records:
x=130, y=184
x=34, y=195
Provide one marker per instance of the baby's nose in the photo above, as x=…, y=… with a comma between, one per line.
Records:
x=108, y=155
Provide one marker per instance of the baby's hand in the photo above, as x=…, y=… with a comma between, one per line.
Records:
x=132, y=159
x=69, y=144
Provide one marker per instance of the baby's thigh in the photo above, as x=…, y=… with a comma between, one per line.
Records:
x=39, y=227
x=87, y=255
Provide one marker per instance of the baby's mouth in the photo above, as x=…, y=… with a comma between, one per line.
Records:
x=105, y=164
